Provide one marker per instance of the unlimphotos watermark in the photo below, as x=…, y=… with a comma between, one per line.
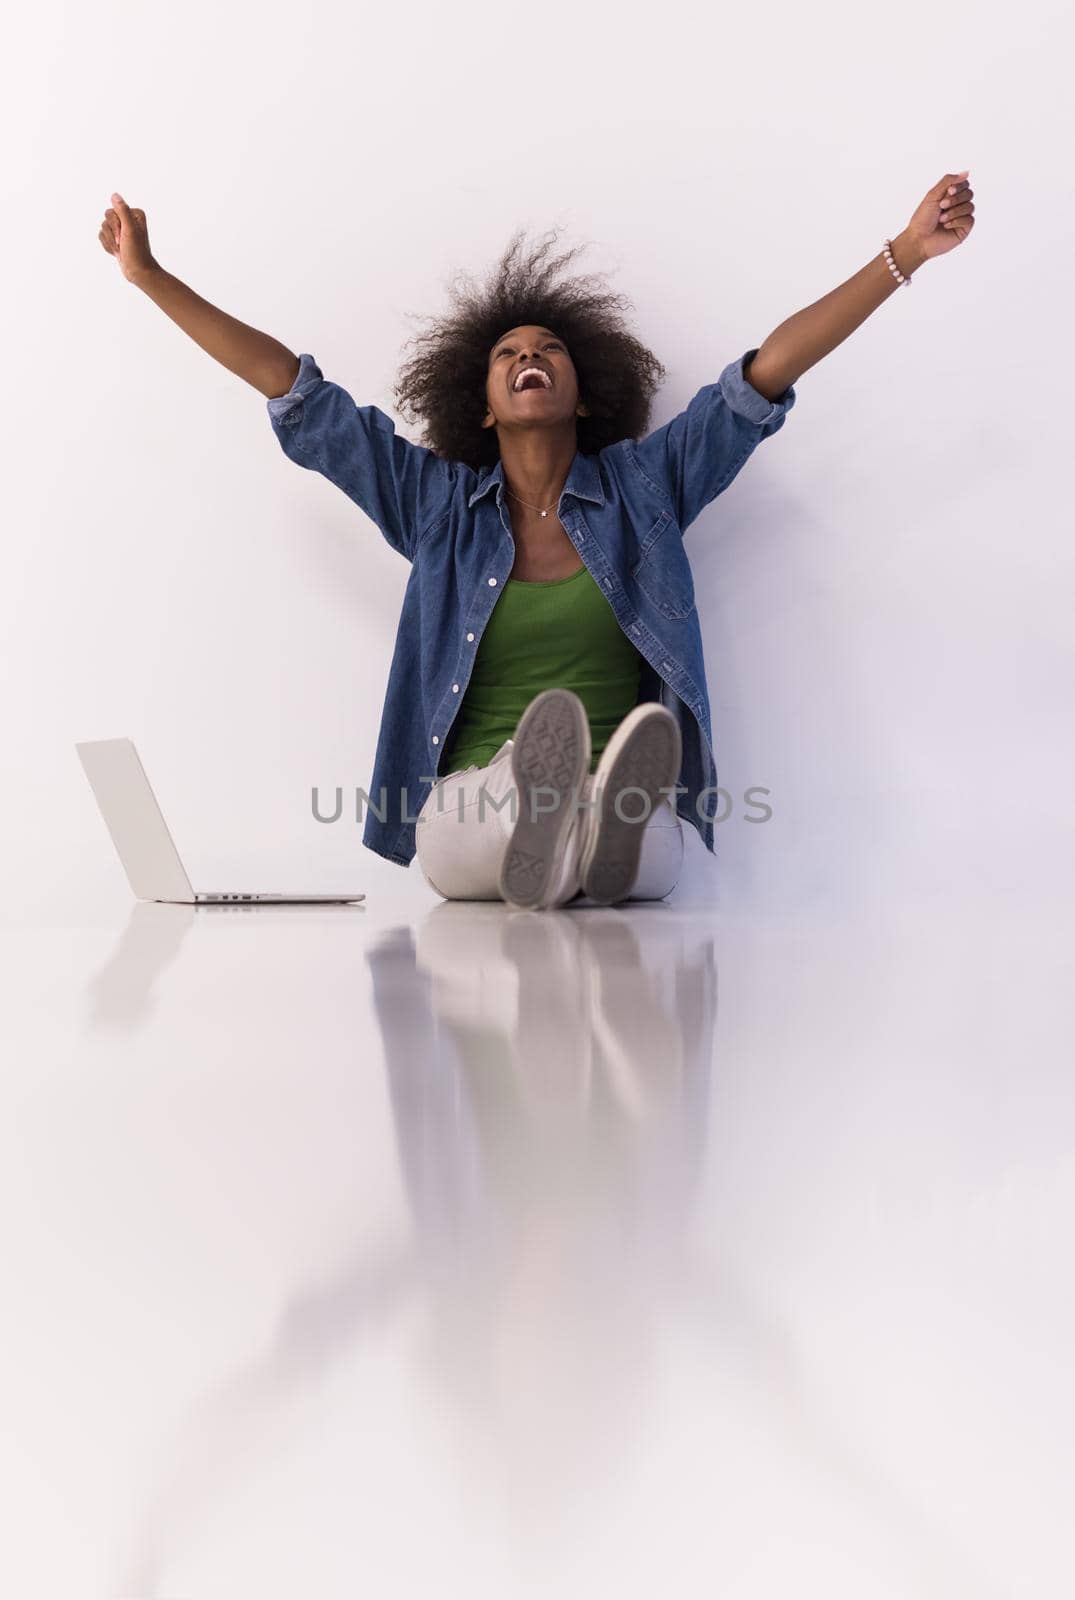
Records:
x=631, y=804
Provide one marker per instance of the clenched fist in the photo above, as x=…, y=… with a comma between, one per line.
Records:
x=124, y=235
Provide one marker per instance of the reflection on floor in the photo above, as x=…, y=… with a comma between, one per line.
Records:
x=465, y=1253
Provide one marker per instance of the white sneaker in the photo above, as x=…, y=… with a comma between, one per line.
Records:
x=550, y=757
x=644, y=755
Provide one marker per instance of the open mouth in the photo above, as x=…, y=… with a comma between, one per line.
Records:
x=531, y=378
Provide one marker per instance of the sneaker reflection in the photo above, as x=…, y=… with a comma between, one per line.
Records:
x=551, y=1123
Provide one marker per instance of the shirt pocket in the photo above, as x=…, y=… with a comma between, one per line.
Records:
x=662, y=570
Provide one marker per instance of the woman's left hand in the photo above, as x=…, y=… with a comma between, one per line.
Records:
x=945, y=217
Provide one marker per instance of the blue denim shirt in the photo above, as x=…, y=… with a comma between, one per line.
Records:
x=625, y=510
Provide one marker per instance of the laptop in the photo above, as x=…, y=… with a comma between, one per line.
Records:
x=141, y=837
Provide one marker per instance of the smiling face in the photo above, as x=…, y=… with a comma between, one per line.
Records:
x=551, y=399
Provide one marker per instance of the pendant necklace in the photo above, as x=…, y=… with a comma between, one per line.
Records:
x=530, y=507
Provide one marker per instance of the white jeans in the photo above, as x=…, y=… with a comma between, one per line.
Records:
x=464, y=826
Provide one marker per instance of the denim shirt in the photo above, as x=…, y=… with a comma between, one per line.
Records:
x=625, y=510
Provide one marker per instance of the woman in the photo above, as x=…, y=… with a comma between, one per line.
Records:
x=547, y=710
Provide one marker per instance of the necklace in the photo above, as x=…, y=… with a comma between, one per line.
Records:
x=533, y=508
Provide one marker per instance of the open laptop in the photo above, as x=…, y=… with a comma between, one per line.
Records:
x=140, y=833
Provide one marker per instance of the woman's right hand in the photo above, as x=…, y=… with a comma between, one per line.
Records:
x=124, y=235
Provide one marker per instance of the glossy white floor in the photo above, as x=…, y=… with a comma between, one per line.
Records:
x=720, y=1247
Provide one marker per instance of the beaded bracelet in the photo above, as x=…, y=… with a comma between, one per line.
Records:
x=892, y=267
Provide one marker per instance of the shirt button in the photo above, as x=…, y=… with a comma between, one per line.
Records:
x=634, y=627
x=492, y=581
x=436, y=739
x=470, y=636
x=455, y=688
x=666, y=666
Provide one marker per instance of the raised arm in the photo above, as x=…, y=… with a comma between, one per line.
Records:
x=258, y=359
x=402, y=487
x=943, y=219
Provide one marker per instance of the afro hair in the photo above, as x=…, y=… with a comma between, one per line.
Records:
x=444, y=384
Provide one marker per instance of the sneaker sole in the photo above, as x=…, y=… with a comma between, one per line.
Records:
x=644, y=753
x=551, y=751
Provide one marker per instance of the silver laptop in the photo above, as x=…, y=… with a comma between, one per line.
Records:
x=140, y=833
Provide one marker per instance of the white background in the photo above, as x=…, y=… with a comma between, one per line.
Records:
x=865, y=1387
x=886, y=590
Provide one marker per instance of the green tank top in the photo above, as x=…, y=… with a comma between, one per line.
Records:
x=555, y=633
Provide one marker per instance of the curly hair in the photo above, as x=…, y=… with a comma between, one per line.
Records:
x=443, y=385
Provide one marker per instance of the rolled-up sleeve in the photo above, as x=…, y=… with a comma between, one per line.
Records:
x=402, y=487
x=697, y=454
